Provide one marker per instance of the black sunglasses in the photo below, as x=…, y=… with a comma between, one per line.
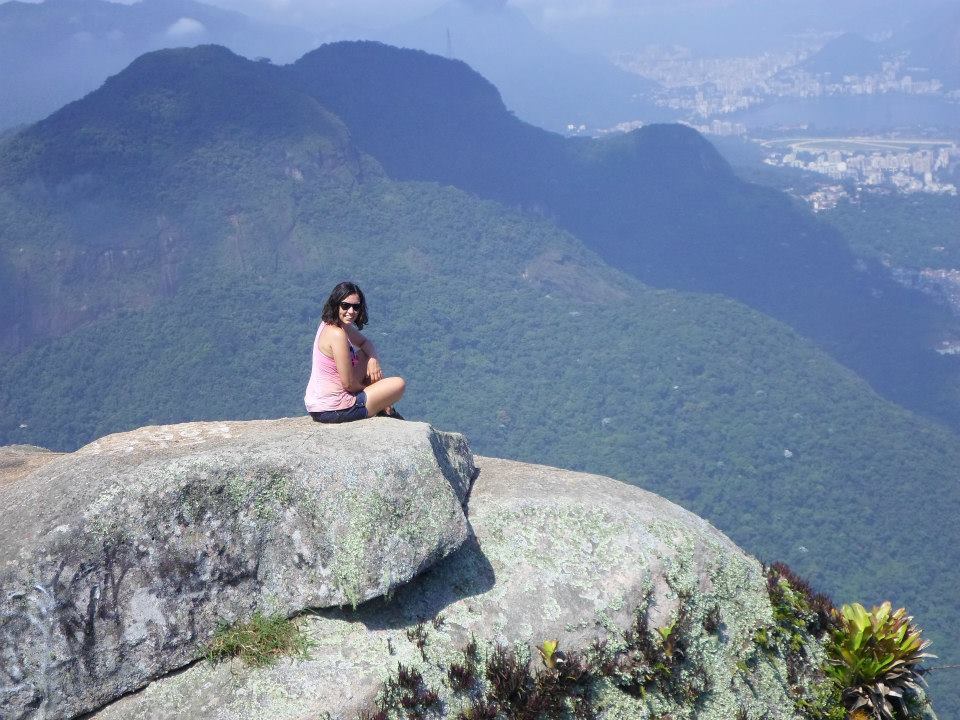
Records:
x=346, y=306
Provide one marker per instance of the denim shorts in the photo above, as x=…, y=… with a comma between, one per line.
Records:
x=358, y=411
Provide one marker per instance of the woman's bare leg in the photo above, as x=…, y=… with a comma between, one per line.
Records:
x=383, y=396
x=384, y=393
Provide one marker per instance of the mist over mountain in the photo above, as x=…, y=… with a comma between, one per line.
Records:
x=849, y=54
x=932, y=42
x=542, y=82
x=901, y=84
x=59, y=50
x=929, y=46
x=726, y=29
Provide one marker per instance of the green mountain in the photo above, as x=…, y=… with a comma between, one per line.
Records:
x=170, y=239
x=659, y=203
x=98, y=186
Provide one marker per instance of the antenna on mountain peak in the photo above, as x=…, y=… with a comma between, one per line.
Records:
x=449, y=45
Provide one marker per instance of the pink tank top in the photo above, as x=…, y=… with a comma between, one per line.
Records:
x=325, y=391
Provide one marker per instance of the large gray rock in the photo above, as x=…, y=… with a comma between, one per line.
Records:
x=556, y=554
x=18, y=461
x=118, y=561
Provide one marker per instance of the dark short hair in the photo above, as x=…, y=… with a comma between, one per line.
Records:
x=331, y=310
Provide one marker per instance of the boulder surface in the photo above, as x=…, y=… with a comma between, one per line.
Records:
x=18, y=461
x=554, y=555
x=120, y=560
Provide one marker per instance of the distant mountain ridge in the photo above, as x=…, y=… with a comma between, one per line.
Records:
x=849, y=54
x=929, y=48
x=58, y=50
x=542, y=82
x=191, y=94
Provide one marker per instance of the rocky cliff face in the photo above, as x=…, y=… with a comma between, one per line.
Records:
x=124, y=556
x=121, y=559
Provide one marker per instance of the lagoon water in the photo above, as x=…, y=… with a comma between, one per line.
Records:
x=857, y=113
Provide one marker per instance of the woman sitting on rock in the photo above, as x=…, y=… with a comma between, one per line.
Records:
x=346, y=381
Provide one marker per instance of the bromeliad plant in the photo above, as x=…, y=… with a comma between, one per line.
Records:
x=876, y=658
x=548, y=653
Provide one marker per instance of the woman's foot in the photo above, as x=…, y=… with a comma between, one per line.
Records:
x=390, y=412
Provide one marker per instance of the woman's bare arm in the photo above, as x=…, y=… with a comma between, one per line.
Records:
x=341, y=356
x=363, y=343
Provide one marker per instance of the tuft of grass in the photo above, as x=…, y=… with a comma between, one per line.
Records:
x=791, y=594
x=418, y=636
x=260, y=641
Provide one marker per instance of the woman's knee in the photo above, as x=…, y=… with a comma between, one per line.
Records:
x=399, y=385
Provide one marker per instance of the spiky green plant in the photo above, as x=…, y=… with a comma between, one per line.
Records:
x=668, y=638
x=547, y=651
x=876, y=658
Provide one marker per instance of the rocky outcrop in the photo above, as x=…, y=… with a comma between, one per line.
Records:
x=554, y=555
x=120, y=560
x=18, y=461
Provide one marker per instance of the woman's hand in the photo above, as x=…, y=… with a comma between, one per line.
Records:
x=374, y=371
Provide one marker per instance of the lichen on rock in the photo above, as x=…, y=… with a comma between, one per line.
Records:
x=656, y=614
x=606, y=569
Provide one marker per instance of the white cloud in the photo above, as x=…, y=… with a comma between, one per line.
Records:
x=186, y=27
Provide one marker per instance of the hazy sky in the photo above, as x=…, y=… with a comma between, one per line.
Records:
x=383, y=12
x=719, y=27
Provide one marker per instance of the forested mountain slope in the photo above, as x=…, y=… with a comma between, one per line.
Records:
x=659, y=203
x=170, y=239
x=91, y=195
